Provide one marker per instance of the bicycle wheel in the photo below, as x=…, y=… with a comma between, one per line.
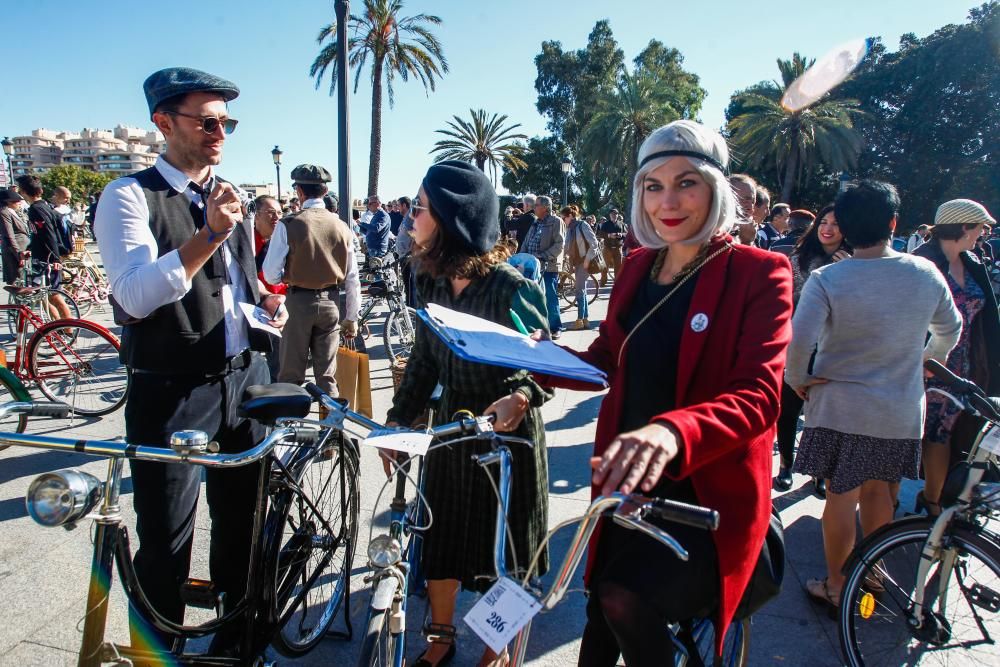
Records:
x=81, y=289
x=593, y=288
x=11, y=389
x=378, y=648
x=961, y=602
x=317, y=549
x=399, y=333
x=76, y=362
x=565, y=288
x=735, y=648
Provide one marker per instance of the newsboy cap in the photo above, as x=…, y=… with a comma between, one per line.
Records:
x=173, y=81
x=8, y=196
x=311, y=174
x=465, y=202
x=962, y=212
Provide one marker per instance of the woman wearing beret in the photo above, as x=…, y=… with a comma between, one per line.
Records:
x=958, y=224
x=455, y=228
x=693, y=345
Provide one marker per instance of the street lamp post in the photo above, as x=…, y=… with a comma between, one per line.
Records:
x=845, y=181
x=566, y=166
x=276, y=154
x=343, y=8
x=8, y=150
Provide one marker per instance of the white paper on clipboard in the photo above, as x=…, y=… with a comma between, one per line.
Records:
x=258, y=318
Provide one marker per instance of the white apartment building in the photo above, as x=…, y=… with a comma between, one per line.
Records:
x=123, y=150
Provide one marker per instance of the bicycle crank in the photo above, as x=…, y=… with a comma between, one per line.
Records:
x=934, y=629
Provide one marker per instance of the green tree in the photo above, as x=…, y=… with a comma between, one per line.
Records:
x=81, y=182
x=541, y=173
x=933, y=123
x=574, y=86
x=399, y=46
x=482, y=141
x=793, y=144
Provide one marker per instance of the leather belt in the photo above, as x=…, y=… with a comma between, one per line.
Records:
x=234, y=363
x=328, y=288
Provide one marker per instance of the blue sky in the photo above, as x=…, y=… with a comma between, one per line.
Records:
x=91, y=56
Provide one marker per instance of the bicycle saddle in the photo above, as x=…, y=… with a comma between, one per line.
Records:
x=20, y=291
x=266, y=403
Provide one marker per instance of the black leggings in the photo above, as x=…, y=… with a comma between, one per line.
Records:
x=637, y=587
x=788, y=421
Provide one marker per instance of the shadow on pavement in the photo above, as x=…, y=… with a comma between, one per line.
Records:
x=568, y=471
x=38, y=462
x=580, y=414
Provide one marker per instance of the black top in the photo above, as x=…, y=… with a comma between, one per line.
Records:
x=395, y=219
x=651, y=364
x=44, y=236
x=520, y=225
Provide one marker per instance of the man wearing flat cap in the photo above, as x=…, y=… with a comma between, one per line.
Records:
x=312, y=252
x=180, y=261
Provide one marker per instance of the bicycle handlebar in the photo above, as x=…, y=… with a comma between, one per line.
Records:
x=36, y=409
x=689, y=515
x=968, y=390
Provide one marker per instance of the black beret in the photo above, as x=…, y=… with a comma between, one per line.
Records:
x=311, y=174
x=175, y=81
x=465, y=202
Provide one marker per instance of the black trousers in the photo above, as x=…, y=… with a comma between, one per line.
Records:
x=788, y=421
x=165, y=496
x=638, y=586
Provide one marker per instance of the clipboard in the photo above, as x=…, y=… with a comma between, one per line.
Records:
x=478, y=340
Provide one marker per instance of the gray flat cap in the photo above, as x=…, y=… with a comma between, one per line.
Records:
x=167, y=83
x=311, y=174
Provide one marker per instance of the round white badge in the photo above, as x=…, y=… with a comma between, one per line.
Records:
x=699, y=322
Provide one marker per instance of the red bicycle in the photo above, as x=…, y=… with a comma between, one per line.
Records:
x=73, y=361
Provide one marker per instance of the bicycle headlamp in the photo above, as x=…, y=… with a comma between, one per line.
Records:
x=384, y=551
x=62, y=497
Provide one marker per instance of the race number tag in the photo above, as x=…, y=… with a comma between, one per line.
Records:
x=501, y=613
x=412, y=443
x=991, y=441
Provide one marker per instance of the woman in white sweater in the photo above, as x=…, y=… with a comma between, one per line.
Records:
x=865, y=392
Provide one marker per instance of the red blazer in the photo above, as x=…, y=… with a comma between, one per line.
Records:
x=728, y=394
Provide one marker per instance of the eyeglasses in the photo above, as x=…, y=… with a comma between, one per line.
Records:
x=209, y=124
x=416, y=207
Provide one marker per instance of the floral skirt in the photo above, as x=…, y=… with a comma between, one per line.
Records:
x=848, y=460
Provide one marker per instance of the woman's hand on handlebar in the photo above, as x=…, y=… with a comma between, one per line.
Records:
x=509, y=411
x=636, y=458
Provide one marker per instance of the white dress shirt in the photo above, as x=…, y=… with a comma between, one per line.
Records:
x=141, y=281
x=277, y=252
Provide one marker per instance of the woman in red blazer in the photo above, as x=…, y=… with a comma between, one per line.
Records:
x=694, y=348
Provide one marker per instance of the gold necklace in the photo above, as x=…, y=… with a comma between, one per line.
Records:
x=688, y=272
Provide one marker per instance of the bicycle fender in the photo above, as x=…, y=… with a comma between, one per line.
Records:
x=17, y=388
x=384, y=593
x=862, y=546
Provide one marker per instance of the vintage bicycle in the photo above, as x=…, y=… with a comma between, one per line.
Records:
x=927, y=589
x=305, y=526
x=72, y=361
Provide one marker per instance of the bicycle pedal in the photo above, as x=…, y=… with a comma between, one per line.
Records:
x=984, y=597
x=201, y=594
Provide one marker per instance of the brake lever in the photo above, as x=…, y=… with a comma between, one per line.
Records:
x=629, y=515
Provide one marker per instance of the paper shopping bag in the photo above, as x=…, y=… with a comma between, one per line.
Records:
x=353, y=380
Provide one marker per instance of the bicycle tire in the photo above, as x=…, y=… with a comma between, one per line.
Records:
x=35, y=303
x=378, y=648
x=889, y=561
x=735, y=649
x=309, y=594
x=567, y=289
x=77, y=362
x=11, y=389
x=399, y=334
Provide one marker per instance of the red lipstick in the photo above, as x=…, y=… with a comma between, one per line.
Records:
x=672, y=222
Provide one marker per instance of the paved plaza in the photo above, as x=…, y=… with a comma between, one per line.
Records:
x=44, y=572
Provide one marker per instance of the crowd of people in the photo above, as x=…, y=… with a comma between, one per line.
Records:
x=728, y=318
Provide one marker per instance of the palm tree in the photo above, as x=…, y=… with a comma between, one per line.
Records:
x=768, y=136
x=622, y=120
x=484, y=140
x=398, y=46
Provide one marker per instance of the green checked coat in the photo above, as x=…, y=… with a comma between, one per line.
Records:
x=459, y=544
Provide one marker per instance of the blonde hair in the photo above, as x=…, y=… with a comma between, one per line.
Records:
x=685, y=135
